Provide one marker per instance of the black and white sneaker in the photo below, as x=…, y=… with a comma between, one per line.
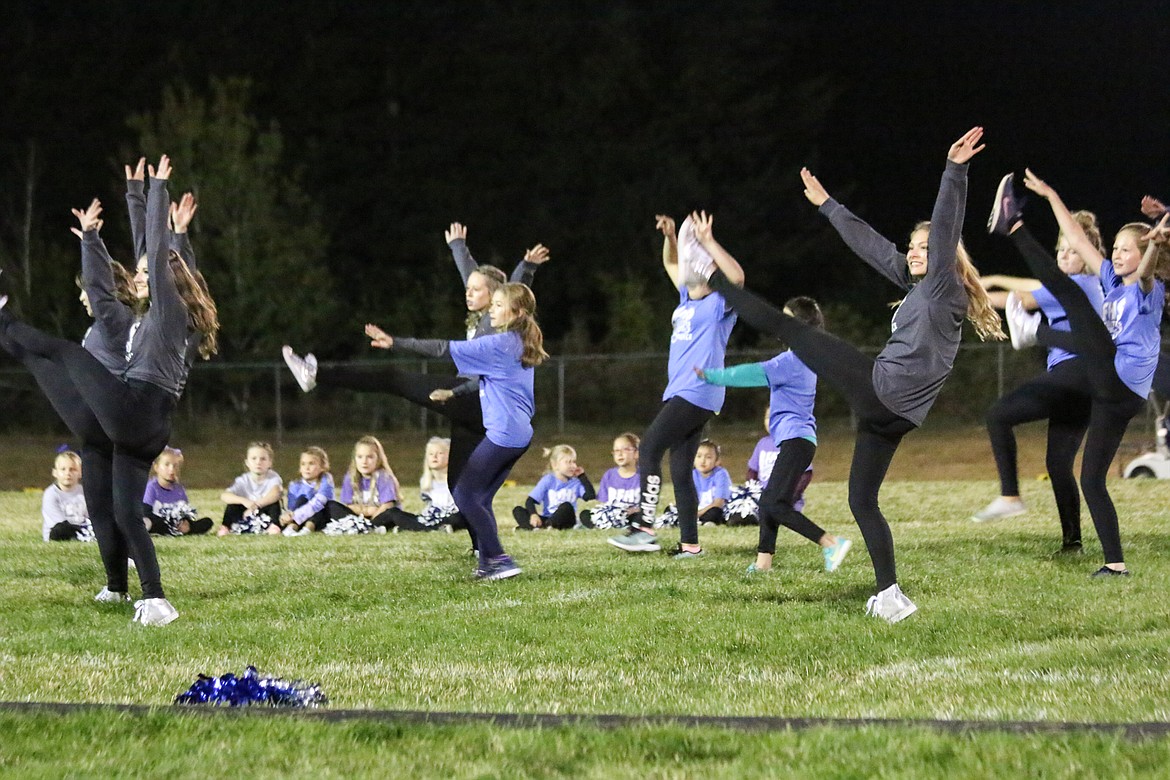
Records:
x=1007, y=209
x=304, y=370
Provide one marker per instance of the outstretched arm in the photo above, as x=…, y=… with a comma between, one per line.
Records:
x=136, y=205
x=525, y=270
x=1010, y=283
x=730, y=267
x=946, y=218
x=164, y=296
x=456, y=237
x=97, y=277
x=1072, y=230
x=181, y=215
x=666, y=226
x=1158, y=236
x=1153, y=208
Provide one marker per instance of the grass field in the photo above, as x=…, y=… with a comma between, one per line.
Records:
x=1006, y=631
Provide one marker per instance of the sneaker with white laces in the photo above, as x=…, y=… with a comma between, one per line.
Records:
x=1022, y=324
x=304, y=369
x=836, y=553
x=891, y=605
x=154, y=612
x=1007, y=209
x=107, y=596
x=636, y=540
x=1000, y=509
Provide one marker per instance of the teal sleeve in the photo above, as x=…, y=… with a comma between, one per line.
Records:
x=744, y=375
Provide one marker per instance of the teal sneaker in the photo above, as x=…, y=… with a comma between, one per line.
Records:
x=635, y=540
x=835, y=554
x=753, y=570
x=678, y=553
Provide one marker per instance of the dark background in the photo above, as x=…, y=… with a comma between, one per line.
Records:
x=572, y=126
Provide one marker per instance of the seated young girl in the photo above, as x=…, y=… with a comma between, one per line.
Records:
x=370, y=495
x=308, y=495
x=63, y=512
x=556, y=494
x=253, y=500
x=619, y=491
x=165, y=508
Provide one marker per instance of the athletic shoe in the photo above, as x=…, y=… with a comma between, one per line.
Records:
x=678, y=553
x=890, y=605
x=753, y=570
x=107, y=596
x=1007, y=209
x=1070, y=548
x=636, y=540
x=201, y=526
x=154, y=612
x=305, y=531
x=695, y=265
x=836, y=553
x=1022, y=324
x=381, y=529
x=304, y=370
x=1000, y=509
x=290, y=530
x=1105, y=571
x=500, y=567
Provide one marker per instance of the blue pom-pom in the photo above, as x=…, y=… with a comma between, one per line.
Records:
x=250, y=688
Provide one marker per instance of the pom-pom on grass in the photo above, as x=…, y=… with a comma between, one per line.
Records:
x=249, y=689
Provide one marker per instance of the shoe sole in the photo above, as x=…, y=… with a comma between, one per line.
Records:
x=171, y=618
x=997, y=207
x=993, y=518
x=910, y=610
x=503, y=575
x=836, y=560
x=645, y=547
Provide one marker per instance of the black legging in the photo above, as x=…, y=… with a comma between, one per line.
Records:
x=678, y=428
x=776, y=502
x=136, y=417
x=463, y=411
x=1060, y=397
x=879, y=430
x=1113, y=404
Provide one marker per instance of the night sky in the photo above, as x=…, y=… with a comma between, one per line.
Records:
x=1077, y=91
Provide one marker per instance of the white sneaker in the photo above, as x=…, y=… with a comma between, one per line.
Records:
x=107, y=596
x=289, y=530
x=890, y=605
x=695, y=265
x=999, y=509
x=1022, y=324
x=305, y=531
x=154, y=612
x=304, y=370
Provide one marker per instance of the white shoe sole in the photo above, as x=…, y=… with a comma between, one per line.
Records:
x=503, y=575
x=998, y=205
x=642, y=547
x=836, y=560
x=905, y=613
x=1002, y=516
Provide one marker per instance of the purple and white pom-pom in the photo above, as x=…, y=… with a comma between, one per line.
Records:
x=252, y=523
x=745, y=500
x=668, y=518
x=350, y=524
x=85, y=532
x=610, y=515
x=250, y=688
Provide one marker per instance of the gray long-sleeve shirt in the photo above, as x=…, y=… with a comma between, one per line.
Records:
x=136, y=206
x=106, y=338
x=926, y=329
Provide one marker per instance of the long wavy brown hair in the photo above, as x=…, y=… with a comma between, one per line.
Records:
x=522, y=303
x=202, y=314
x=980, y=312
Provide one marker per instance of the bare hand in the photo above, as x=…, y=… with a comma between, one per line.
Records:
x=703, y=222
x=1152, y=207
x=164, y=169
x=699, y=373
x=1037, y=185
x=90, y=218
x=378, y=337
x=537, y=255
x=441, y=395
x=966, y=147
x=666, y=226
x=1159, y=233
x=454, y=232
x=138, y=173
x=536, y=521
x=813, y=190
x=183, y=212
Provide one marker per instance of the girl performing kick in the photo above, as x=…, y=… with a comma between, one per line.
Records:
x=891, y=394
x=1119, y=353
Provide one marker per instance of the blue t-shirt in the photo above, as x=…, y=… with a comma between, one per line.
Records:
x=793, y=388
x=699, y=338
x=715, y=485
x=1058, y=320
x=505, y=385
x=764, y=458
x=626, y=491
x=306, y=499
x=1133, y=318
x=551, y=492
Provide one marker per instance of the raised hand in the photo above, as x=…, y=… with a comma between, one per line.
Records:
x=378, y=337
x=966, y=147
x=1037, y=185
x=813, y=190
x=666, y=226
x=442, y=395
x=90, y=219
x=138, y=173
x=1152, y=207
x=703, y=222
x=1159, y=233
x=164, y=169
x=183, y=212
x=537, y=255
x=454, y=232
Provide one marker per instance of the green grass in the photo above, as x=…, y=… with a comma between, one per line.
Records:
x=1005, y=631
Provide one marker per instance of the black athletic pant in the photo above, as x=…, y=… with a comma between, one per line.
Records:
x=678, y=428
x=136, y=417
x=563, y=518
x=1113, y=404
x=779, y=495
x=463, y=411
x=64, y=532
x=879, y=430
x=234, y=513
x=1060, y=396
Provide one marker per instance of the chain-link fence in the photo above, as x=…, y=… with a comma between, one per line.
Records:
x=619, y=390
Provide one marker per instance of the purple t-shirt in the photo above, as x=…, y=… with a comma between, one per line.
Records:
x=383, y=492
x=794, y=391
x=715, y=485
x=551, y=492
x=1058, y=320
x=615, y=488
x=1133, y=319
x=763, y=459
x=699, y=338
x=157, y=496
x=505, y=385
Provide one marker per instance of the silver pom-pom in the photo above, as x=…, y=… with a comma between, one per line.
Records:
x=610, y=515
x=350, y=524
x=252, y=523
